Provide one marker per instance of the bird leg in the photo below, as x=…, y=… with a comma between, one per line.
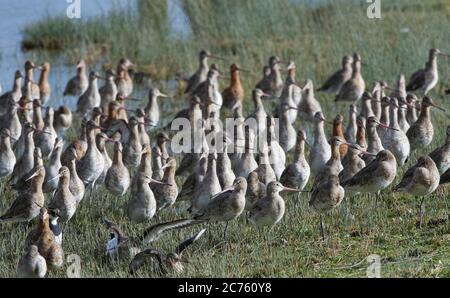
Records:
x=225, y=232
x=322, y=228
x=421, y=211
x=447, y=215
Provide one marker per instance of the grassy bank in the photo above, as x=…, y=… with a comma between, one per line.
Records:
x=248, y=32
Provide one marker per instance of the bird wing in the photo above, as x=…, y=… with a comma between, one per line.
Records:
x=331, y=81
x=217, y=204
x=190, y=83
x=154, y=232
x=407, y=178
x=183, y=245
x=139, y=259
x=417, y=80
x=362, y=175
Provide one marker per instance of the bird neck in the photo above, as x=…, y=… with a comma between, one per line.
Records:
x=38, y=120
x=356, y=69
x=5, y=144
x=146, y=164
x=424, y=113
x=43, y=79
x=91, y=138
x=169, y=175
x=117, y=159
x=235, y=79
x=360, y=135
x=337, y=130
x=318, y=131
x=36, y=184
x=393, y=117
x=432, y=62
x=17, y=83
x=335, y=153
x=299, y=154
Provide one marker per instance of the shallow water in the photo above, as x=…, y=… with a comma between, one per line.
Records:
x=16, y=15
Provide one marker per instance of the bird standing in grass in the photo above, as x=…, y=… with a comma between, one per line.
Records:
x=420, y=180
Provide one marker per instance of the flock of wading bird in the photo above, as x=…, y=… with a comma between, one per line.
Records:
x=363, y=158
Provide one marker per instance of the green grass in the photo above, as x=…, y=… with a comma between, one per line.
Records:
x=248, y=32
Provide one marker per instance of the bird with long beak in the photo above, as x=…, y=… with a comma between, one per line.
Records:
x=167, y=262
x=117, y=178
x=108, y=92
x=123, y=80
x=234, y=93
x=226, y=205
x=395, y=140
x=335, y=82
x=63, y=200
x=90, y=167
x=424, y=80
x=270, y=210
x=26, y=206
x=353, y=89
x=296, y=175
x=420, y=180
x=274, y=83
x=291, y=95
x=7, y=157
x=152, y=108
x=421, y=132
x=326, y=196
x=76, y=185
x=209, y=187
x=321, y=150
x=91, y=97
x=167, y=193
x=334, y=165
x=200, y=75
x=78, y=84
x=374, y=177
x=141, y=206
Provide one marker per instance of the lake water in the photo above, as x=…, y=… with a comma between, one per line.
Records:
x=16, y=15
